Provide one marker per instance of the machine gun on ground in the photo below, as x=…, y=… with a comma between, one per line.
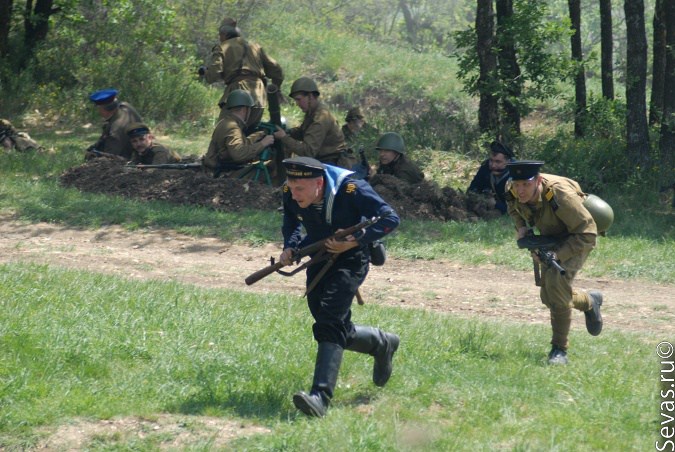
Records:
x=542, y=246
x=319, y=254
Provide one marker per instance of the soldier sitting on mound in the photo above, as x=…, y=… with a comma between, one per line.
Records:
x=230, y=148
x=146, y=151
x=117, y=116
x=393, y=159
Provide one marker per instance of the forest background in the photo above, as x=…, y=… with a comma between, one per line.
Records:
x=422, y=68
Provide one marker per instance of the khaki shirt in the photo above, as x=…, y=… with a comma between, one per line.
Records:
x=560, y=213
x=114, y=137
x=229, y=145
x=403, y=169
x=243, y=65
x=319, y=136
x=156, y=154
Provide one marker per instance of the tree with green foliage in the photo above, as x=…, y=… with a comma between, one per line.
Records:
x=580, y=101
x=607, y=51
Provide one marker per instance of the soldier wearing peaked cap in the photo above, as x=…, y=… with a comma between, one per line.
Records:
x=323, y=199
x=554, y=205
x=116, y=116
x=146, y=150
x=493, y=174
x=244, y=65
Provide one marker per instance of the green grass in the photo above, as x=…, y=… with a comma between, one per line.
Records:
x=80, y=345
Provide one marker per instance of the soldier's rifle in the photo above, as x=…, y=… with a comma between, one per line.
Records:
x=92, y=149
x=178, y=166
x=318, y=253
x=542, y=246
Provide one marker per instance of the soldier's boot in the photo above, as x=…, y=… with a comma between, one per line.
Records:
x=328, y=360
x=379, y=345
x=593, y=316
x=557, y=356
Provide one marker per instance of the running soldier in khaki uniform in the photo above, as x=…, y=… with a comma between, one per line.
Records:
x=555, y=206
x=146, y=150
x=117, y=117
x=319, y=136
x=241, y=65
x=229, y=146
x=394, y=161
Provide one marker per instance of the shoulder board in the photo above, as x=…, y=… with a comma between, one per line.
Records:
x=551, y=199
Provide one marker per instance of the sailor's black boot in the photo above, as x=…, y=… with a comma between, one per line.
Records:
x=378, y=344
x=328, y=360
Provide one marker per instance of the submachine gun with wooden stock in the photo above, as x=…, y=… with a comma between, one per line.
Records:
x=318, y=253
x=542, y=246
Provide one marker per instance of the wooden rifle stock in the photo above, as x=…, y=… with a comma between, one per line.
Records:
x=308, y=250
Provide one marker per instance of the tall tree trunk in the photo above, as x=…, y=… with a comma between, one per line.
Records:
x=488, y=115
x=5, y=21
x=36, y=25
x=606, y=49
x=658, y=64
x=509, y=71
x=410, y=25
x=667, y=138
x=637, y=131
x=580, y=78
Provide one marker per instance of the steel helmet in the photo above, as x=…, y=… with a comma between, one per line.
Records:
x=391, y=141
x=304, y=84
x=239, y=98
x=602, y=213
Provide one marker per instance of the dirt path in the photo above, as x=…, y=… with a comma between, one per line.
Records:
x=435, y=285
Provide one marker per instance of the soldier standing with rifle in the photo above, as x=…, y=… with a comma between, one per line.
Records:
x=241, y=65
x=323, y=199
x=555, y=206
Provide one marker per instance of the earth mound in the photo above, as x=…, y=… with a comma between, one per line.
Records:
x=425, y=200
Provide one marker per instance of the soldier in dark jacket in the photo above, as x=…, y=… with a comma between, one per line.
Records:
x=146, y=150
x=320, y=200
x=493, y=173
x=117, y=116
x=394, y=161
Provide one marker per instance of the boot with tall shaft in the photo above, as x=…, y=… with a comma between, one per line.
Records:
x=379, y=345
x=328, y=360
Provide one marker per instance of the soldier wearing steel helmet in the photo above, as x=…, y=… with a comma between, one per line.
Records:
x=230, y=146
x=557, y=207
x=393, y=159
x=319, y=136
x=241, y=65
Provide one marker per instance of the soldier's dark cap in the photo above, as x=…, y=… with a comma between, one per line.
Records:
x=303, y=168
x=500, y=148
x=354, y=113
x=524, y=169
x=137, y=129
x=103, y=96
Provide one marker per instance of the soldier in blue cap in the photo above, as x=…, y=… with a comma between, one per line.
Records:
x=117, y=117
x=555, y=206
x=324, y=199
x=493, y=174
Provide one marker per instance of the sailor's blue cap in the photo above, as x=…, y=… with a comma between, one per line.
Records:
x=303, y=167
x=103, y=96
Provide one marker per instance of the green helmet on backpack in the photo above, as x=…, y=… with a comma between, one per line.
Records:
x=391, y=141
x=602, y=213
x=239, y=98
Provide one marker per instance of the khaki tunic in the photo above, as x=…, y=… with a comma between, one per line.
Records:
x=156, y=154
x=243, y=65
x=560, y=213
x=229, y=145
x=320, y=137
x=403, y=169
x=114, y=139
